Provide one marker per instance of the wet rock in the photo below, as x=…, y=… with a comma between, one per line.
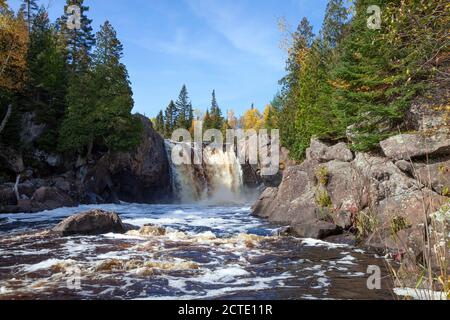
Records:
x=321, y=152
x=345, y=238
x=316, y=230
x=410, y=146
x=149, y=230
x=94, y=222
x=263, y=206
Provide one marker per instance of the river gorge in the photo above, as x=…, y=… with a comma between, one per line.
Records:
x=207, y=245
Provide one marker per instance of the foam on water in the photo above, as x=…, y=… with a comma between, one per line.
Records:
x=191, y=252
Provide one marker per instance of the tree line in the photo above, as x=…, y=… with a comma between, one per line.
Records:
x=354, y=83
x=181, y=115
x=71, y=81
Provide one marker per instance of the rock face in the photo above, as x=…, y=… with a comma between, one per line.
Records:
x=138, y=176
x=142, y=175
x=94, y=222
x=321, y=152
x=47, y=198
x=411, y=146
x=333, y=191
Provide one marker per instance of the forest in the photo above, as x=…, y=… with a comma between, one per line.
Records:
x=71, y=81
x=348, y=83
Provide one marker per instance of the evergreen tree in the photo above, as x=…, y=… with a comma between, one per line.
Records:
x=46, y=87
x=302, y=39
x=79, y=41
x=103, y=99
x=360, y=79
x=215, y=113
x=170, y=119
x=29, y=9
x=207, y=121
x=159, y=124
x=184, y=111
x=336, y=18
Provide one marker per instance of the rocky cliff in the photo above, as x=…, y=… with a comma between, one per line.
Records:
x=141, y=175
x=378, y=197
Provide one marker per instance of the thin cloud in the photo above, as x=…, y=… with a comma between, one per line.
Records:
x=241, y=29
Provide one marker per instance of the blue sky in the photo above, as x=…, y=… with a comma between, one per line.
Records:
x=231, y=46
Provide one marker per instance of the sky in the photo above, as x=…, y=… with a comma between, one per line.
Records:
x=232, y=46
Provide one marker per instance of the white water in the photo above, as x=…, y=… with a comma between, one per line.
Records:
x=218, y=179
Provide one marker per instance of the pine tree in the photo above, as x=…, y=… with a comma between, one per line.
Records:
x=46, y=86
x=184, y=111
x=159, y=124
x=102, y=98
x=360, y=81
x=215, y=113
x=336, y=19
x=30, y=11
x=170, y=118
x=302, y=39
x=79, y=41
x=207, y=121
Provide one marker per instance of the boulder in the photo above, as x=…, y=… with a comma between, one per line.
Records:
x=316, y=230
x=94, y=222
x=435, y=176
x=48, y=198
x=416, y=145
x=319, y=151
x=7, y=196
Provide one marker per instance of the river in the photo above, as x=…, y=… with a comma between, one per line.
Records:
x=204, y=252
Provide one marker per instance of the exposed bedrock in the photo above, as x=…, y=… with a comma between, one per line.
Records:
x=335, y=191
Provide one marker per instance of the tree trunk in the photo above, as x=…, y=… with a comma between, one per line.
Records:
x=5, y=120
x=16, y=188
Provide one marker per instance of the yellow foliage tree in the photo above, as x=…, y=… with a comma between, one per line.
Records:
x=13, y=49
x=270, y=118
x=252, y=119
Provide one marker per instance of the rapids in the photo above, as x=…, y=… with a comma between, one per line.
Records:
x=203, y=252
x=208, y=246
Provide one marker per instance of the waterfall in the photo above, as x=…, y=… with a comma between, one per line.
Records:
x=217, y=179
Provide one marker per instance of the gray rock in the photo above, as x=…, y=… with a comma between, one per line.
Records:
x=316, y=230
x=405, y=166
x=435, y=176
x=31, y=131
x=48, y=198
x=343, y=219
x=94, y=222
x=410, y=146
x=319, y=151
x=142, y=175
